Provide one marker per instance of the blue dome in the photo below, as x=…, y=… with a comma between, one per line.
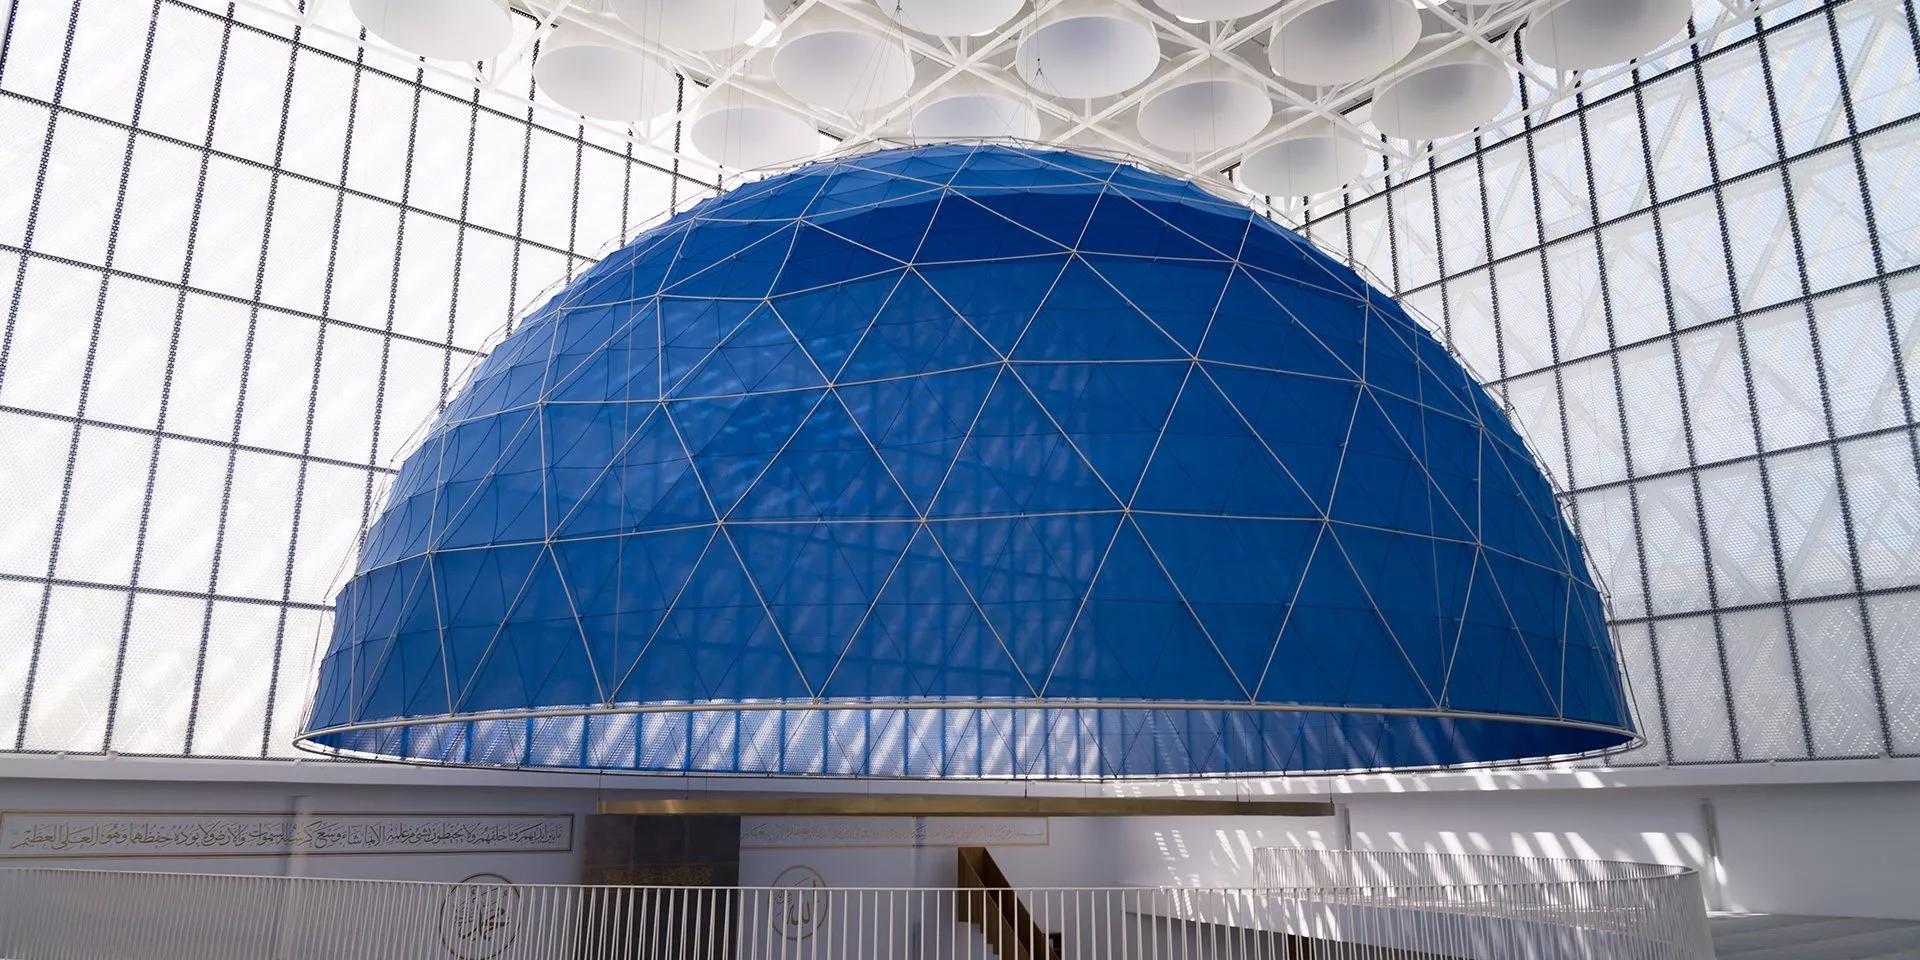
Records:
x=968, y=461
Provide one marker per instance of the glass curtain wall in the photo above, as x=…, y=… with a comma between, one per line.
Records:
x=245, y=261
x=1696, y=288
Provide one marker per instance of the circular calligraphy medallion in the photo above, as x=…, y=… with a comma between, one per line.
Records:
x=477, y=917
x=798, y=902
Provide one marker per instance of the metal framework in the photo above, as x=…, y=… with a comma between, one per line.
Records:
x=1743, y=267
x=1105, y=123
x=108, y=605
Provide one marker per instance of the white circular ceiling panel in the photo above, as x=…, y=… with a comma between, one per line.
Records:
x=590, y=74
x=951, y=18
x=971, y=108
x=692, y=24
x=1200, y=114
x=439, y=29
x=1311, y=158
x=1194, y=11
x=1083, y=49
x=744, y=131
x=1583, y=34
x=1328, y=42
x=1463, y=88
x=844, y=68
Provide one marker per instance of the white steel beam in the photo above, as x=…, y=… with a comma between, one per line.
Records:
x=1240, y=45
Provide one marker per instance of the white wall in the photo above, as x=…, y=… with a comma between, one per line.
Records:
x=168, y=797
x=1832, y=850
x=1829, y=850
x=1821, y=849
x=1077, y=851
x=1810, y=847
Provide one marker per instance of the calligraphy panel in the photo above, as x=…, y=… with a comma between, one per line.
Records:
x=57, y=835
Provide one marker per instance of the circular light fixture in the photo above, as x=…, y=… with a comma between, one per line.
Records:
x=1202, y=10
x=439, y=29
x=1203, y=114
x=1460, y=89
x=1084, y=49
x=970, y=108
x=950, y=18
x=1313, y=157
x=1583, y=34
x=590, y=74
x=738, y=129
x=693, y=24
x=842, y=67
x=1329, y=42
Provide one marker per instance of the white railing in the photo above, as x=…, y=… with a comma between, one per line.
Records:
x=1655, y=915
x=1541, y=907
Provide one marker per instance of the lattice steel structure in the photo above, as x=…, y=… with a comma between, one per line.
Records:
x=118, y=632
x=1696, y=290
x=240, y=264
x=970, y=460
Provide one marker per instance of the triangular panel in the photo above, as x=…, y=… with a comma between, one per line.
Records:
x=690, y=330
x=1030, y=575
x=1113, y=412
x=827, y=470
x=758, y=355
x=1136, y=638
x=965, y=229
x=1419, y=587
x=648, y=483
x=626, y=366
x=999, y=303
x=1016, y=461
x=1121, y=225
x=1210, y=462
x=919, y=424
x=1241, y=578
x=916, y=332
x=1302, y=420
x=1083, y=318
x=1492, y=668
x=819, y=580
x=830, y=321
x=1337, y=649
x=733, y=439
x=716, y=644
x=821, y=258
x=623, y=586
x=926, y=638
x=1179, y=295
x=1251, y=328
x=539, y=657
x=729, y=259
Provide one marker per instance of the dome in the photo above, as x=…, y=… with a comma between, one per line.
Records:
x=969, y=461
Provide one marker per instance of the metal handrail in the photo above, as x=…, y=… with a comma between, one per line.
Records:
x=1305, y=867
x=54, y=912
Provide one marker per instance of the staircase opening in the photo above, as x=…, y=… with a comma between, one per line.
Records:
x=988, y=901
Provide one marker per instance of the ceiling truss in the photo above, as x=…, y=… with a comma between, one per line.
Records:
x=1105, y=124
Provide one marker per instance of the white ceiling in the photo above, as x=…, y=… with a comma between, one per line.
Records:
x=1239, y=47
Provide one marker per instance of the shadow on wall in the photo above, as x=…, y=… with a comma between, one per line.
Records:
x=1509, y=811
x=1224, y=855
